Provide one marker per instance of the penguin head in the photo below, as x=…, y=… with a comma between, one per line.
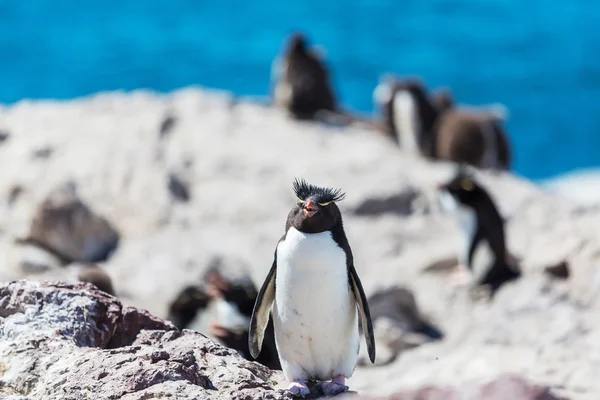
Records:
x=443, y=99
x=385, y=97
x=464, y=189
x=390, y=84
x=240, y=293
x=297, y=44
x=315, y=210
x=417, y=88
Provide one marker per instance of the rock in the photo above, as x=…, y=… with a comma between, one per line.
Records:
x=42, y=153
x=66, y=342
x=178, y=188
x=559, y=271
x=4, y=136
x=244, y=164
x=66, y=227
x=504, y=387
x=400, y=203
x=15, y=192
x=166, y=126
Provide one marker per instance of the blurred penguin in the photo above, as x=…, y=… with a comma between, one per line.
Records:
x=398, y=324
x=483, y=256
x=434, y=127
x=95, y=275
x=221, y=308
x=301, y=81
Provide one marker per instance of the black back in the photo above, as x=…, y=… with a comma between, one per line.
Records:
x=399, y=304
x=309, y=79
x=184, y=308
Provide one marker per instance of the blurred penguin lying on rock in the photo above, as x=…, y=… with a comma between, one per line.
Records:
x=94, y=274
x=483, y=258
x=398, y=324
x=221, y=308
x=433, y=126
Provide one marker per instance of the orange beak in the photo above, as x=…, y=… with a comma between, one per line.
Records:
x=310, y=208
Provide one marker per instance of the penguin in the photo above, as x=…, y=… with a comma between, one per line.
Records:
x=398, y=323
x=239, y=296
x=96, y=276
x=301, y=82
x=484, y=141
x=230, y=303
x=484, y=251
x=399, y=304
x=313, y=292
x=408, y=114
x=237, y=338
x=186, y=306
x=432, y=126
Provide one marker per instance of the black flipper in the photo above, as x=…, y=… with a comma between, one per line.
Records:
x=261, y=311
x=363, y=310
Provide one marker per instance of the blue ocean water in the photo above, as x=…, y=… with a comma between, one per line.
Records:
x=538, y=57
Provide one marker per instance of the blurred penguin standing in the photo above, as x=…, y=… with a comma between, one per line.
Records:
x=484, y=252
x=314, y=293
x=301, y=81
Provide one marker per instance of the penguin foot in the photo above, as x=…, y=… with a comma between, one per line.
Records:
x=336, y=386
x=298, y=388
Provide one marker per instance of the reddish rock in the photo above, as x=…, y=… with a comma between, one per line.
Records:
x=65, y=342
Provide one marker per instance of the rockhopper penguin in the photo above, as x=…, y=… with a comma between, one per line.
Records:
x=431, y=124
x=484, y=250
x=301, y=81
x=313, y=292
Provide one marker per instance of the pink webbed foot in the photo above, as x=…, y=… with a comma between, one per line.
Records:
x=336, y=386
x=298, y=389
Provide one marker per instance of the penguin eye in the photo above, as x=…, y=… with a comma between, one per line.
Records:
x=467, y=185
x=325, y=204
x=300, y=200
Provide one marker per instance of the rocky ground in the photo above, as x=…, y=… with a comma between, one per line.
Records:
x=65, y=342
x=175, y=180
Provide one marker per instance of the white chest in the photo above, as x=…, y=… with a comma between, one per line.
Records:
x=467, y=220
x=483, y=257
x=314, y=313
x=406, y=120
x=311, y=270
x=222, y=313
x=303, y=251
